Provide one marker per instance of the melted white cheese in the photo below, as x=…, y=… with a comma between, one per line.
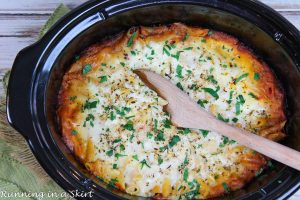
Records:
x=138, y=149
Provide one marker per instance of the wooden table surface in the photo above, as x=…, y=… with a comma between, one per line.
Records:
x=20, y=21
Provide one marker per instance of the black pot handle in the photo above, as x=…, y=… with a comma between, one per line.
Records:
x=19, y=91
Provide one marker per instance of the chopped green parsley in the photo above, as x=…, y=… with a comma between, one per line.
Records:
x=241, y=77
x=149, y=135
x=86, y=69
x=256, y=76
x=135, y=157
x=179, y=71
x=175, y=139
x=144, y=162
x=186, y=37
x=160, y=136
x=74, y=132
x=202, y=103
x=110, y=152
x=252, y=95
x=230, y=97
x=220, y=117
x=73, y=98
x=103, y=79
x=188, y=48
x=185, y=174
x=90, y=104
x=179, y=85
x=212, y=92
x=225, y=186
x=167, y=123
x=118, y=155
x=130, y=41
x=129, y=126
x=204, y=132
x=159, y=160
x=112, y=183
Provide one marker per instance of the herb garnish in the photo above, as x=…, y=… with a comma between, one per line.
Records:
x=230, y=97
x=129, y=126
x=149, y=135
x=90, y=104
x=74, y=132
x=77, y=57
x=184, y=131
x=117, y=141
x=162, y=149
x=123, y=64
x=133, y=53
x=112, y=116
x=225, y=186
x=123, y=111
x=167, y=123
x=118, y=155
x=186, y=37
x=179, y=85
x=130, y=41
x=122, y=147
x=235, y=119
x=240, y=101
x=176, y=56
x=144, y=162
x=252, y=95
x=90, y=118
x=175, y=139
x=109, y=152
x=225, y=141
x=256, y=76
x=185, y=174
x=204, y=132
x=155, y=125
x=135, y=157
x=73, y=98
x=159, y=160
x=86, y=69
x=185, y=162
x=241, y=77
x=179, y=71
x=202, y=103
x=103, y=79
x=188, y=48
x=112, y=183
x=212, y=79
x=212, y=92
x=192, y=194
x=160, y=136
x=220, y=117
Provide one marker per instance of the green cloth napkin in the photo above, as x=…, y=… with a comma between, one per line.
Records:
x=21, y=176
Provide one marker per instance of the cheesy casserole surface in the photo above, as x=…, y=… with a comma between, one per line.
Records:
x=116, y=125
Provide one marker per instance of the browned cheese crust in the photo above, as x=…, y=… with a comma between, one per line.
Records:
x=257, y=84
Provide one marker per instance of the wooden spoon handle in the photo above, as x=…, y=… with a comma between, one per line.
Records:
x=267, y=147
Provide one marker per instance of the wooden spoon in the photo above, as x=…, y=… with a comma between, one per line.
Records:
x=188, y=114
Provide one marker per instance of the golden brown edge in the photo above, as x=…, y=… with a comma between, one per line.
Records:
x=252, y=162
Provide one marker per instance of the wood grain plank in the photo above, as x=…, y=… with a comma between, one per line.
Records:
x=293, y=17
x=35, y=6
x=29, y=25
x=9, y=48
x=46, y=7
x=20, y=25
x=283, y=5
